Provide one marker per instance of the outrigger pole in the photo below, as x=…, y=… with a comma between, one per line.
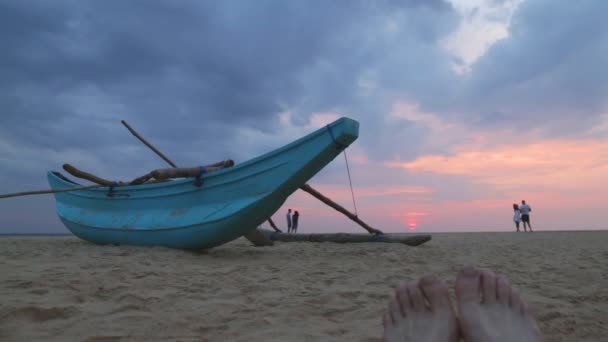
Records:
x=42, y=192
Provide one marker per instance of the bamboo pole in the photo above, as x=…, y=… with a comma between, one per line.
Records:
x=90, y=177
x=147, y=143
x=42, y=192
x=339, y=208
x=274, y=226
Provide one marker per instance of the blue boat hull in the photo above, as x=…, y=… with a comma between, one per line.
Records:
x=180, y=214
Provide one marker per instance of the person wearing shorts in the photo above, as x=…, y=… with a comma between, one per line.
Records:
x=525, y=210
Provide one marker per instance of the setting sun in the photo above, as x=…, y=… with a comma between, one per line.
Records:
x=412, y=219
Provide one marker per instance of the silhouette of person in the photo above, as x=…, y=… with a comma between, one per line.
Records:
x=295, y=221
x=516, y=216
x=289, y=221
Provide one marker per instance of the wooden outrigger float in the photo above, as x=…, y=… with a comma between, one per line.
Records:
x=269, y=235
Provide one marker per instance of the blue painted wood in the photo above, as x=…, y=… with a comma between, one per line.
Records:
x=230, y=203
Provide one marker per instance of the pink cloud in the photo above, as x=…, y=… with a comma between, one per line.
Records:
x=567, y=165
x=342, y=192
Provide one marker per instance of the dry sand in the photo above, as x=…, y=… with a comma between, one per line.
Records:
x=65, y=289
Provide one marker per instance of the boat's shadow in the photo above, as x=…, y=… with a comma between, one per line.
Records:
x=230, y=251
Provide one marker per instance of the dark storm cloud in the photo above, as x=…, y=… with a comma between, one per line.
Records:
x=550, y=72
x=183, y=71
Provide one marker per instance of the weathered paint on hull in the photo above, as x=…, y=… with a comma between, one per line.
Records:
x=179, y=214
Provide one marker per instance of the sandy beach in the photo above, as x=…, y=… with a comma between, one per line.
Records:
x=65, y=289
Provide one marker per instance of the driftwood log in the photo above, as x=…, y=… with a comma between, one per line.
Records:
x=182, y=172
x=85, y=175
x=159, y=175
x=185, y=172
x=413, y=240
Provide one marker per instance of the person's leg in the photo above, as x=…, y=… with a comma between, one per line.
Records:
x=526, y=221
x=489, y=309
x=421, y=311
x=517, y=225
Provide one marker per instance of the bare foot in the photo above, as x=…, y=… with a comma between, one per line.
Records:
x=490, y=310
x=421, y=311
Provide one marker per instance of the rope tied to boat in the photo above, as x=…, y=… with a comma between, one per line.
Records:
x=352, y=192
x=111, y=188
x=198, y=180
x=342, y=147
x=339, y=145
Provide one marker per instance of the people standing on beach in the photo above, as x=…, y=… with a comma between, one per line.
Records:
x=489, y=310
x=288, y=220
x=525, y=214
x=295, y=220
x=516, y=216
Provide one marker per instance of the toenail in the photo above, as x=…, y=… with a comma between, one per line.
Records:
x=469, y=270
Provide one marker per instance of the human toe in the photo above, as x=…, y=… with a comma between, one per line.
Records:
x=488, y=287
x=415, y=296
x=435, y=292
x=503, y=289
x=468, y=284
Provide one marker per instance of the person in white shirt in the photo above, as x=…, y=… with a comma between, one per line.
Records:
x=516, y=216
x=289, y=221
x=525, y=210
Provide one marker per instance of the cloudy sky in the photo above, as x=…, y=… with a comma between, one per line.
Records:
x=466, y=106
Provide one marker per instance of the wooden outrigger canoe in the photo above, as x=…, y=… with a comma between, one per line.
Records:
x=187, y=214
